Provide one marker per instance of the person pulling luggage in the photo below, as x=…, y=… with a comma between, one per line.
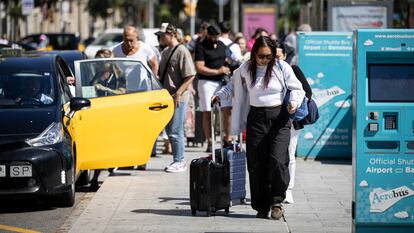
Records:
x=258, y=106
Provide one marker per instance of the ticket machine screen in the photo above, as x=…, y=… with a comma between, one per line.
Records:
x=391, y=82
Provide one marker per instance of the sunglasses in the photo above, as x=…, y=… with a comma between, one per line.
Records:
x=264, y=56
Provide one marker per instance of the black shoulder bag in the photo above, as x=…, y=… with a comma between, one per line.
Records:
x=164, y=72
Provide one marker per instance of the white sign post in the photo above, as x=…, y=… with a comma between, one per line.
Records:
x=27, y=7
x=221, y=4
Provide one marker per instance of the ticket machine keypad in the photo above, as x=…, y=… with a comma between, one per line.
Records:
x=390, y=122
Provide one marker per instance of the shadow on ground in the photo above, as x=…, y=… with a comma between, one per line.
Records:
x=186, y=201
x=187, y=213
x=21, y=206
x=335, y=162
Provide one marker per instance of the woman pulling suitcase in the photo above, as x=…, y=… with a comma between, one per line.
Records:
x=259, y=107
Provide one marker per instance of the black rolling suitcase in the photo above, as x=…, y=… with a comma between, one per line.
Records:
x=209, y=184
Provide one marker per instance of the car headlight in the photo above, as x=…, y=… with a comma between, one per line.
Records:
x=51, y=135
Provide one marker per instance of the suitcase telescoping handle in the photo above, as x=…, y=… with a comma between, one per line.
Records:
x=216, y=106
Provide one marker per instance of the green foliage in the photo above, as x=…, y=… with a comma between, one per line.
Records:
x=100, y=8
x=16, y=11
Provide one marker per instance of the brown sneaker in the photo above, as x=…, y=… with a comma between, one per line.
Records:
x=277, y=212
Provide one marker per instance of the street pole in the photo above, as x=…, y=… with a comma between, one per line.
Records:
x=79, y=18
x=26, y=25
x=235, y=15
x=150, y=13
x=192, y=17
x=1, y=19
x=221, y=10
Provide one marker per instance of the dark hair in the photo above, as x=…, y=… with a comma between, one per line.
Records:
x=103, y=53
x=204, y=26
x=280, y=45
x=213, y=30
x=224, y=27
x=258, y=32
x=262, y=41
x=287, y=51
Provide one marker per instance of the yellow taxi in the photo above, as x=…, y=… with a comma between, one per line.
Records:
x=129, y=108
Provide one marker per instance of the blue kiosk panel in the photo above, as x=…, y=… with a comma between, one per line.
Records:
x=383, y=131
x=326, y=60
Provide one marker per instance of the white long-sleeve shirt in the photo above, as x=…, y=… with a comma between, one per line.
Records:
x=246, y=95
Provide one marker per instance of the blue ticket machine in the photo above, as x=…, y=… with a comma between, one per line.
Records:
x=383, y=131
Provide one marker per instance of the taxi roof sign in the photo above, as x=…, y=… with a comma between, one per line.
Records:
x=11, y=52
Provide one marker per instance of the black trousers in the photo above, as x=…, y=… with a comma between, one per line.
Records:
x=268, y=136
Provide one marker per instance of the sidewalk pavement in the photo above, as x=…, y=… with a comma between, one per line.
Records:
x=156, y=201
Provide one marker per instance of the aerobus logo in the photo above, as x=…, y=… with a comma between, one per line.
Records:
x=381, y=199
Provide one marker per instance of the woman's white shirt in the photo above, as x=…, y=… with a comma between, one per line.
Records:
x=273, y=95
x=246, y=95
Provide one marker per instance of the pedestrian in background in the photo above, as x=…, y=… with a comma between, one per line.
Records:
x=132, y=47
x=70, y=80
x=291, y=41
x=241, y=41
x=167, y=145
x=281, y=53
x=233, y=61
x=210, y=61
x=258, y=106
x=177, y=72
x=201, y=35
x=257, y=33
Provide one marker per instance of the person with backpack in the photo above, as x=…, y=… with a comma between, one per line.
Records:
x=233, y=59
x=281, y=52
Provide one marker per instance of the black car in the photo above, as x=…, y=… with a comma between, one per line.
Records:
x=36, y=153
x=70, y=56
x=56, y=41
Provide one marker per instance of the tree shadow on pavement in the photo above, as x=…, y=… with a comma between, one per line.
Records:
x=167, y=199
x=335, y=161
x=187, y=213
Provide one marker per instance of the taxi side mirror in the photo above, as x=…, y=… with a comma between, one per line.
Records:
x=78, y=103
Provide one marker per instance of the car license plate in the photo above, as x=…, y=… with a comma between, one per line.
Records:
x=2, y=170
x=20, y=170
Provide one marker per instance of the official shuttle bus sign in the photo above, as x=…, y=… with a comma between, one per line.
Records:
x=383, y=131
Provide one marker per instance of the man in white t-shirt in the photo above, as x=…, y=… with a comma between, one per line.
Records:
x=132, y=47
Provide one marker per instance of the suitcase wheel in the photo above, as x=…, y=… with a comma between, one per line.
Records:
x=193, y=212
x=226, y=210
x=243, y=201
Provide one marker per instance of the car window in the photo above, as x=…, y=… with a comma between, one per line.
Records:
x=106, y=77
x=64, y=72
x=26, y=89
x=108, y=39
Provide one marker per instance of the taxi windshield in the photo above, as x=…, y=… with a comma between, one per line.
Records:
x=26, y=89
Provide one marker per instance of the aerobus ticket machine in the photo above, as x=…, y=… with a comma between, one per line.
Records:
x=383, y=131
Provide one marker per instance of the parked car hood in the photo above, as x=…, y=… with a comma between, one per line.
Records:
x=20, y=124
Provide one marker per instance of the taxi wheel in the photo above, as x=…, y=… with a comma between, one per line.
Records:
x=67, y=199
